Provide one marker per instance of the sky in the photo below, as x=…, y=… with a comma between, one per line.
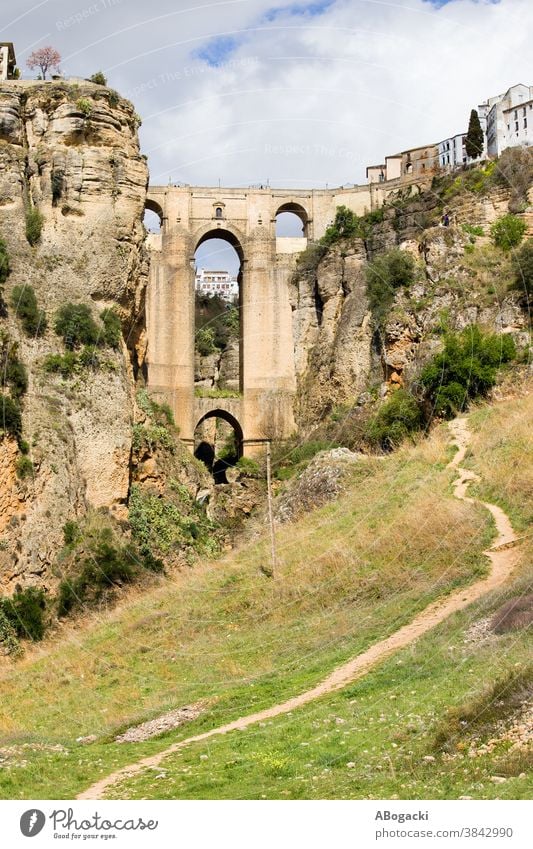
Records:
x=305, y=93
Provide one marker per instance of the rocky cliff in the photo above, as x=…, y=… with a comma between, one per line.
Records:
x=69, y=155
x=461, y=278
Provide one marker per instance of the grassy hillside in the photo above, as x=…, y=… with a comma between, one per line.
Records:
x=225, y=634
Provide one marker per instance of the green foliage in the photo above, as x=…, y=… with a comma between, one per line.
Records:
x=384, y=275
x=12, y=371
x=507, y=232
x=24, y=303
x=160, y=524
x=84, y=106
x=34, y=225
x=8, y=635
x=473, y=230
x=25, y=612
x=523, y=267
x=348, y=225
x=112, y=328
x=71, y=533
x=474, y=137
x=98, y=78
x=4, y=262
x=217, y=324
x=24, y=467
x=159, y=411
x=10, y=416
x=248, y=468
x=289, y=458
x=212, y=392
x=75, y=324
x=399, y=417
x=466, y=369
x=514, y=171
x=309, y=259
x=205, y=341
x=152, y=437
x=63, y=364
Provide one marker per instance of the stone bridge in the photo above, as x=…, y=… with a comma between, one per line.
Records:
x=246, y=218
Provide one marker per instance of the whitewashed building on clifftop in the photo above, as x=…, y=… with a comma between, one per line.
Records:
x=217, y=283
x=7, y=60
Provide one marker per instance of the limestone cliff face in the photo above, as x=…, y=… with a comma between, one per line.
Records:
x=70, y=151
x=461, y=279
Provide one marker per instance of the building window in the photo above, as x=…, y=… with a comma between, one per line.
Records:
x=525, y=123
x=516, y=125
x=218, y=212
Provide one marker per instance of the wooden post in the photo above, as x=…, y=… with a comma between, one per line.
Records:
x=273, y=554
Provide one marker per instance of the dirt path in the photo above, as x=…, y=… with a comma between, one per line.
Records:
x=503, y=558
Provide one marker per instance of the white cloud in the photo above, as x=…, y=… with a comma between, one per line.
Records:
x=307, y=99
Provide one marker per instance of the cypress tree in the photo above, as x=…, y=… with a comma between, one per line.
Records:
x=474, y=137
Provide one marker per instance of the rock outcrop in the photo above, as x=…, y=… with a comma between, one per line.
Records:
x=71, y=152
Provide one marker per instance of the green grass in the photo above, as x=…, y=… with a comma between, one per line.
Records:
x=350, y=574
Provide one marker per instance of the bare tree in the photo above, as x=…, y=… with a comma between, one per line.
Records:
x=44, y=59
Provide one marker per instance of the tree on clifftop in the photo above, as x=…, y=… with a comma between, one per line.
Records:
x=474, y=137
x=44, y=59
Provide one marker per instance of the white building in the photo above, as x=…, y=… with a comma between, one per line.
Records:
x=7, y=60
x=452, y=152
x=510, y=119
x=217, y=283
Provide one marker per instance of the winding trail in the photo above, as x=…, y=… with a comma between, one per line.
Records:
x=503, y=557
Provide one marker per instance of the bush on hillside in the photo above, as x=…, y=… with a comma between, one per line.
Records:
x=384, y=275
x=508, y=231
x=112, y=328
x=217, y=323
x=466, y=369
x=24, y=303
x=4, y=262
x=514, y=170
x=348, y=225
x=25, y=611
x=399, y=417
x=523, y=268
x=98, y=78
x=63, y=364
x=10, y=416
x=75, y=324
x=12, y=371
x=34, y=225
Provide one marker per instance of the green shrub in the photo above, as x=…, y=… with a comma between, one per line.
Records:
x=514, y=170
x=523, y=268
x=112, y=328
x=466, y=369
x=159, y=411
x=84, y=106
x=24, y=302
x=34, y=225
x=71, y=533
x=75, y=324
x=205, y=341
x=106, y=566
x=4, y=262
x=248, y=468
x=10, y=416
x=8, y=635
x=12, y=372
x=63, y=364
x=473, y=230
x=98, y=78
x=384, y=275
x=25, y=611
x=399, y=417
x=24, y=467
x=507, y=232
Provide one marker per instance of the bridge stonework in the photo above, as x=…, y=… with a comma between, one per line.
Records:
x=246, y=218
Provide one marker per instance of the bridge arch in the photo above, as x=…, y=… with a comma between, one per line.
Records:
x=206, y=449
x=295, y=210
x=153, y=207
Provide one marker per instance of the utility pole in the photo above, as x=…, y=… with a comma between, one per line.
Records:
x=273, y=553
